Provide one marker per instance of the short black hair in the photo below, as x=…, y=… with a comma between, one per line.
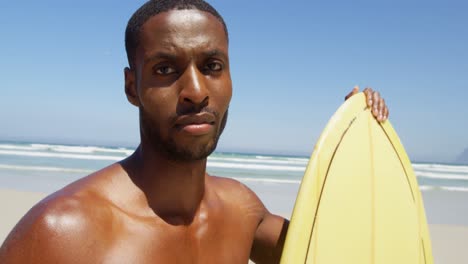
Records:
x=154, y=7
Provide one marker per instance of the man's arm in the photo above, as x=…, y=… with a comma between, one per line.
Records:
x=269, y=239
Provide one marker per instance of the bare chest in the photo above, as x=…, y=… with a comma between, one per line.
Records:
x=225, y=239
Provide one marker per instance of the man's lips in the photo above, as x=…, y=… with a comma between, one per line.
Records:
x=198, y=124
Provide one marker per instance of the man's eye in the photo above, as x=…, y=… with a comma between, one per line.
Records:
x=164, y=70
x=214, y=66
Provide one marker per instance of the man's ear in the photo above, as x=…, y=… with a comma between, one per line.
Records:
x=130, y=87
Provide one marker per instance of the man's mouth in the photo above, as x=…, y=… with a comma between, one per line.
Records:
x=197, y=124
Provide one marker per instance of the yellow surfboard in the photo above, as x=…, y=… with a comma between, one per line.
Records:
x=359, y=200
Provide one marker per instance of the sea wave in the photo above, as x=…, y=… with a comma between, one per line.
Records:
x=281, y=157
x=436, y=175
x=39, y=168
x=63, y=148
x=266, y=180
x=264, y=161
x=82, y=149
x=440, y=168
x=426, y=187
x=253, y=166
x=61, y=155
x=66, y=149
x=21, y=147
x=454, y=189
x=90, y=150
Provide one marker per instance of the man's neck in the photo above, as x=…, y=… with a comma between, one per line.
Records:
x=173, y=189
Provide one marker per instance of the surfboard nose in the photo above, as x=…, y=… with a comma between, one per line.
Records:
x=359, y=201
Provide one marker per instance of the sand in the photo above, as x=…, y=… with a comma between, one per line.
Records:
x=13, y=205
x=449, y=242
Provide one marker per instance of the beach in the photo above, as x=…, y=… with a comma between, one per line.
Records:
x=29, y=172
x=449, y=238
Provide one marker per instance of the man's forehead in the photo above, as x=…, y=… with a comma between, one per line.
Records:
x=186, y=16
x=189, y=28
x=185, y=20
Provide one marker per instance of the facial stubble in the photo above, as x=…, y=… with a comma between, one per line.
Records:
x=150, y=129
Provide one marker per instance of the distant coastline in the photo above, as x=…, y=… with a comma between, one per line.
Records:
x=463, y=157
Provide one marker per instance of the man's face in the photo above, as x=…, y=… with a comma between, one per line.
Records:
x=181, y=83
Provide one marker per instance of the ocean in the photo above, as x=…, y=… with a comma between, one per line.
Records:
x=47, y=167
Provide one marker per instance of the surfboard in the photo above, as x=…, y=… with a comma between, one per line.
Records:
x=359, y=200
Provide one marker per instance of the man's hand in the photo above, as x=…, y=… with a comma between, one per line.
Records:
x=374, y=101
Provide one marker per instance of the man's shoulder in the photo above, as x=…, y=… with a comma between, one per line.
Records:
x=78, y=205
x=71, y=208
x=238, y=193
x=60, y=225
x=63, y=213
x=230, y=185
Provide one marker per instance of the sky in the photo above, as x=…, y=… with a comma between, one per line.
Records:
x=292, y=63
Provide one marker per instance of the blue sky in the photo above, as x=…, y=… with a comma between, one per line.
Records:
x=292, y=62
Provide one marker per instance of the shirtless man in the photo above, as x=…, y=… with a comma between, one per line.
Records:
x=159, y=205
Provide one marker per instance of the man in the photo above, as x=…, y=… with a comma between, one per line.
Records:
x=159, y=205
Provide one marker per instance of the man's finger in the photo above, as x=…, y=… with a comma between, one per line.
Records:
x=375, y=105
x=368, y=93
x=353, y=92
x=381, y=109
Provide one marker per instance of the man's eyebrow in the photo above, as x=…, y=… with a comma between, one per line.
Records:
x=169, y=56
x=216, y=53
x=160, y=55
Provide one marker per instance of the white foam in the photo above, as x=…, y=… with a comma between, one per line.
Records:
x=90, y=150
x=38, y=168
x=60, y=155
x=253, y=166
x=444, y=188
x=19, y=147
x=263, y=157
x=125, y=151
x=266, y=180
x=67, y=149
x=70, y=149
x=57, y=148
x=435, y=175
x=281, y=157
x=303, y=160
x=440, y=168
x=264, y=161
x=426, y=188
x=454, y=189
x=42, y=146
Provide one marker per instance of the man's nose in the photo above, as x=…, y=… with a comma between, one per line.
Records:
x=194, y=93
